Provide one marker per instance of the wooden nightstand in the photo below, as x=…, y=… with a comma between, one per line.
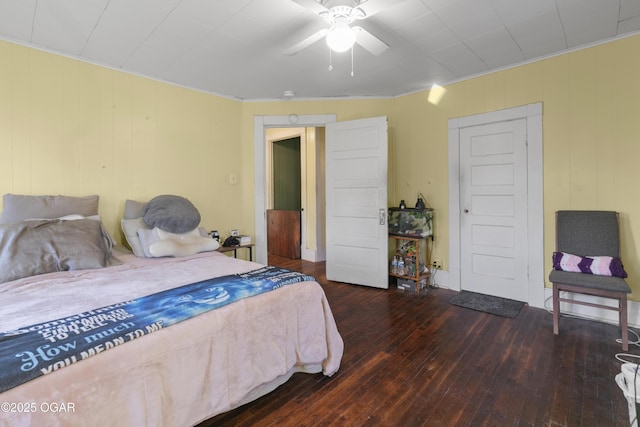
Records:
x=235, y=248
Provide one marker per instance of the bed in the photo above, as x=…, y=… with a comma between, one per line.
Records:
x=174, y=376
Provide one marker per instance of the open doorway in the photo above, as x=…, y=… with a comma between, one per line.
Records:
x=284, y=207
x=316, y=208
x=294, y=192
x=312, y=235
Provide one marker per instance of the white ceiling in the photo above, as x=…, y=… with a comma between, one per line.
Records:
x=235, y=48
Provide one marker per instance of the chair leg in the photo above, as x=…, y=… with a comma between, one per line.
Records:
x=556, y=309
x=623, y=323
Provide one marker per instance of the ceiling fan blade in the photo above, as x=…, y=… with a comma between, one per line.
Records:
x=312, y=5
x=306, y=42
x=370, y=42
x=371, y=7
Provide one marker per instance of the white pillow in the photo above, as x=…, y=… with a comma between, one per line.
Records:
x=160, y=243
x=146, y=237
x=130, y=227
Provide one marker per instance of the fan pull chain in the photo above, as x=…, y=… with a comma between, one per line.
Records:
x=330, y=63
x=351, y=61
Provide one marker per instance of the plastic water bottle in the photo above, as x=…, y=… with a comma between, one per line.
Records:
x=394, y=265
x=401, y=266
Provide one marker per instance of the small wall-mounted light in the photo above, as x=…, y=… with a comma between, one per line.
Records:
x=436, y=93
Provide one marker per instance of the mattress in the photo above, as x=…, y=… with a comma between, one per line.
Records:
x=176, y=376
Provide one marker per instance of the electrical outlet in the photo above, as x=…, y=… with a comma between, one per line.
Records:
x=436, y=264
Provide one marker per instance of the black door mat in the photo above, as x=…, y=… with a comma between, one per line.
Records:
x=487, y=303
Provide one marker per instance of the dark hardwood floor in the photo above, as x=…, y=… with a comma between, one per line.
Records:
x=416, y=360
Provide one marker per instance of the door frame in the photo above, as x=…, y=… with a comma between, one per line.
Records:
x=535, y=226
x=260, y=125
x=279, y=135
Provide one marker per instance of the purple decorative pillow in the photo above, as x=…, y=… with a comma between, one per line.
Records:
x=600, y=265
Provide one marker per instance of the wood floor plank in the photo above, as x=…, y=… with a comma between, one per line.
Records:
x=416, y=360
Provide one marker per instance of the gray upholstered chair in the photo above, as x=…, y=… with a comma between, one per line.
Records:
x=589, y=233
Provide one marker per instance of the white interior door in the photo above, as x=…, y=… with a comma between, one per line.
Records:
x=493, y=205
x=356, y=202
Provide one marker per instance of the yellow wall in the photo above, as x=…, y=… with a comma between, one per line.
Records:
x=68, y=127
x=591, y=132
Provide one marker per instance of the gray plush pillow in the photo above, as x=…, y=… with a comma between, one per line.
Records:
x=47, y=246
x=18, y=207
x=133, y=209
x=174, y=214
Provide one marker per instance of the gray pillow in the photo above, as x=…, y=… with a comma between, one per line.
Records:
x=133, y=209
x=46, y=246
x=18, y=208
x=174, y=214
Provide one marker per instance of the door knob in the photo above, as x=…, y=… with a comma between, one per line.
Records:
x=466, y=211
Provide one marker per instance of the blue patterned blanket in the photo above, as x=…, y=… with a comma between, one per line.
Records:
x=40, y=349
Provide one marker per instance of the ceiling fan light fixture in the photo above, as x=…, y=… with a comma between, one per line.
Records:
x=341, y=37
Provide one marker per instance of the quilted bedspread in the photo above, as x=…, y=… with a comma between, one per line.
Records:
x=176, y=376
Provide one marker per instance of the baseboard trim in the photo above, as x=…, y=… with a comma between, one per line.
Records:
x=313, y=255
x=441, y=280
x=309, y=255
x=593, y=313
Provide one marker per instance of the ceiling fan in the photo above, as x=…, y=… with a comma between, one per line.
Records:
x=340, y=35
